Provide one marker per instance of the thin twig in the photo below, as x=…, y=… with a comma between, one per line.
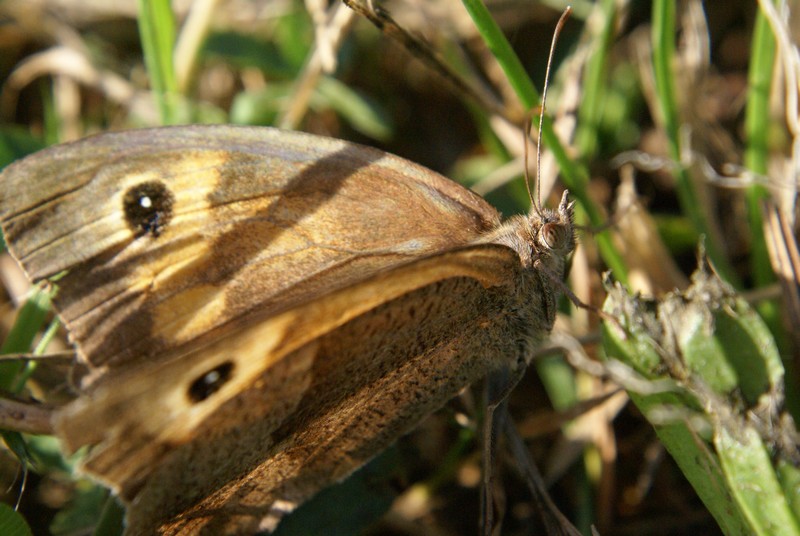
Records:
x=26, y=417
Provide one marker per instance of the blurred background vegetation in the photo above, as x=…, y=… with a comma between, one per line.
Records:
x=668, y=122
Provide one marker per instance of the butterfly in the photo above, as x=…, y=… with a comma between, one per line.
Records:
x=261, y=312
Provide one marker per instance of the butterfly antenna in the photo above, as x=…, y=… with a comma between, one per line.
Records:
x=527, y=130
x=538, y=203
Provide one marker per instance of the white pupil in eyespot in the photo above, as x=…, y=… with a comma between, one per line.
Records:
x=212, y=377
x=145, y=201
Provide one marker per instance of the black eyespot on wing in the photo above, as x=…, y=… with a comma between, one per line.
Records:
x=148, y=208
x=210, y=382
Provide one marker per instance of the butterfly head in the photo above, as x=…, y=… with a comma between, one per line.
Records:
x=555, y=234
x=544, y=237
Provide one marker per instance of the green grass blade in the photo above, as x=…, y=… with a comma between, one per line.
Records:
x=30, y=320
x=157, y=33
x=757, y=124
x=594, y=84
x=663, y=37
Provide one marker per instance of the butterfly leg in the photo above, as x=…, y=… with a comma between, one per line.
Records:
x=498, y=388
x=499, y=385
x=554, y=521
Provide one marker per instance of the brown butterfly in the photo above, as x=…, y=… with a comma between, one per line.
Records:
x=262, y=312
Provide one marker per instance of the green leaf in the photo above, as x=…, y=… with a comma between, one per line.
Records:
x=727, y=379
x=16, y=444
x=82, y=512
x=259, y=108
x=12, y=523
x=363, y=114
x=16, y=143
x=752, y=479
x=349, y=507
x=246, y=51
x=294, y=35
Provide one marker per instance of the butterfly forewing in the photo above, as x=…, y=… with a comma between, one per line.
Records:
x=167, y=234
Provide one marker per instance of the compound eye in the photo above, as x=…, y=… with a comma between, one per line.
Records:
x=553, y=235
